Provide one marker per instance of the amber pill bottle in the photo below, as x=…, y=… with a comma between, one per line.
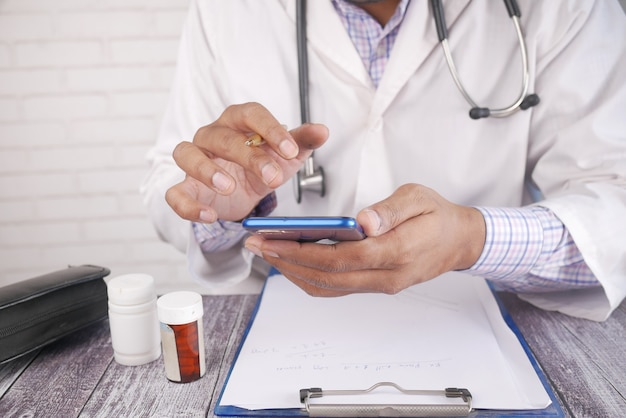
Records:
x=182, y=335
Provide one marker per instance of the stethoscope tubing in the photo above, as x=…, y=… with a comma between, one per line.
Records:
x=303, y=61
x=308, y=177
x=523, y=101
x=311, y=179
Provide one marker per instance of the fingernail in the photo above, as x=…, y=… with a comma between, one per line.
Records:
x=288, y=149
x=253, y=249
x=269, y=172
x=206, y=216
x=374, y=219
x=221, y=182
x=270, y=254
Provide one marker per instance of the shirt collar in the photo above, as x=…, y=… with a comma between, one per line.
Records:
x=345, y=8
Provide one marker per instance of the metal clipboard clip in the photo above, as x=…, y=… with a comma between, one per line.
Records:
x=458, y=408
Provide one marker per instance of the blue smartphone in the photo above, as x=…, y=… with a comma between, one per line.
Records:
x=305, y=229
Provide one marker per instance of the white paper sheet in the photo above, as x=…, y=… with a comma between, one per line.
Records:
x=447, y=332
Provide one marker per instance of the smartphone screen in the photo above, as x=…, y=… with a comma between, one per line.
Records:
x=306, y=229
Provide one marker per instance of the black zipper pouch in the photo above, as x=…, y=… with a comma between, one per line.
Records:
x=40, y=310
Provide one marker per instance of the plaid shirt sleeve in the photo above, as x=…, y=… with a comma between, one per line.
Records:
x=222, y=235
x=530, y=250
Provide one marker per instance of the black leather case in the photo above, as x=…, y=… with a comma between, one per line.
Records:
x=40, y=310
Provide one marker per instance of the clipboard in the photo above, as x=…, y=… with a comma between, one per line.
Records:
x=461, y=405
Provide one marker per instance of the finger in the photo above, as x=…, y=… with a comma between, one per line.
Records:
x=183, y=199
x=195, y=163
x=263, y=161
x=333, y=258
x=223, y=145
x=314, y=290
x=344, y=267
x=310, y=136
x=320, y=283
x=216, y=145
x=406, y=202
x=256, y=119
x=253, y=118
x=314, y=282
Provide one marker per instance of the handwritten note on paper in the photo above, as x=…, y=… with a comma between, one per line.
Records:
x=447, y=332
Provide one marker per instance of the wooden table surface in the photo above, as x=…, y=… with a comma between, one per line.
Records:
x=585, y=363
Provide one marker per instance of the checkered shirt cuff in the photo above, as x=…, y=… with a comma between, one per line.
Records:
x=529, y=250
x=222, y=235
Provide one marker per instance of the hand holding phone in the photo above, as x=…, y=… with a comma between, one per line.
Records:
x=306, y=229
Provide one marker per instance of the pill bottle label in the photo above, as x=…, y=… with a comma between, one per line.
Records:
x=183, y=351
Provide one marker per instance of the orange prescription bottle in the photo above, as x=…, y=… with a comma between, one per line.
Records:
x=182, y=337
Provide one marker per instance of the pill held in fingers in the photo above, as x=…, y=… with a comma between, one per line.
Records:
x=257, y=140
x=254, y=141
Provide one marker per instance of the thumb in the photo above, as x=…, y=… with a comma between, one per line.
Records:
x=406, y=202
x=370, y=221
x=310, y=136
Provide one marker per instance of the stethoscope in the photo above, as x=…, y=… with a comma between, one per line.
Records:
x=311, y=178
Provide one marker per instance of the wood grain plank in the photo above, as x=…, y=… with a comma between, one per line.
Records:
x=9, y=372
x=584, y=360
x=143, y=391
x=58, y=382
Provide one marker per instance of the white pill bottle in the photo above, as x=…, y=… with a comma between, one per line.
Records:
x=133, y=319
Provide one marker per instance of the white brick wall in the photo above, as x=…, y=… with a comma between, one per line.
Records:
x=83, y=85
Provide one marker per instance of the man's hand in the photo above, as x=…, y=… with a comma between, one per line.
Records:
x=225, y=178
x=413, y=236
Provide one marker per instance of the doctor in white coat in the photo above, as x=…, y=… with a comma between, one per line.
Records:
x=400, y=152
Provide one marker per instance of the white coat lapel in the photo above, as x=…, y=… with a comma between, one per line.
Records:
x=416, y=40
x=328, y=38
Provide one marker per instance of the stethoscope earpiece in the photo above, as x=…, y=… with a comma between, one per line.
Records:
x=529, y=101
x=523, y=101
x=479, y=112
x=483, y=112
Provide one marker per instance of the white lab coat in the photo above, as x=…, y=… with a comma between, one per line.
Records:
x=415, y=128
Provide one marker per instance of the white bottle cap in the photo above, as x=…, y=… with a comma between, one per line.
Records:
x=131, y=289
x=178, y=308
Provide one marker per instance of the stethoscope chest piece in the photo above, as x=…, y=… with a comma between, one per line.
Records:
x=310, y=179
